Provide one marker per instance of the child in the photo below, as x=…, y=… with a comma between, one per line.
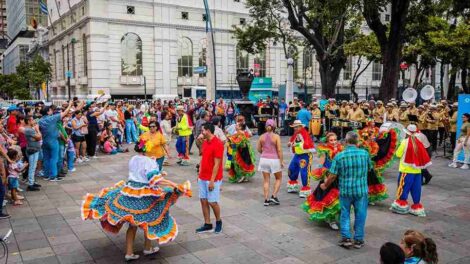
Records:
x=418, y=248
x=109, y=146
x=391, y=253
x=14, y=170
x=70, y=155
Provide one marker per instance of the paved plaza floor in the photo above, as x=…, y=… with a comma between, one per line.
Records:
x=48, y=228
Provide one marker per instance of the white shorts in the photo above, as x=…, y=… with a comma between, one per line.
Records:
x=269, y=165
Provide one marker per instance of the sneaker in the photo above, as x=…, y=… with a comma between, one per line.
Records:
x=218, y=227
x=19, y=189
x=358, y=244
x=464, y=167
x=73, y=170
x=241, y=179
x=333, y=225
x=86, y=159
x=37, y=185
x=266, y=203
x=79, y=160
x=56, y=179
x=131, y=257
x=32, y=188
x=453, y=165
x=5, y=202
x=41, y=173
x=274, y=200
x=205, y=228
x=151, y=251
x=346, y=243
x=94, y=157
x=4, y=216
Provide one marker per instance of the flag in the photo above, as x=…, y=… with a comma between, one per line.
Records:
x=43, y=7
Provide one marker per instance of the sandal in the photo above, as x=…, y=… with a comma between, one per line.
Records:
x=151, y=251
x=18, y=202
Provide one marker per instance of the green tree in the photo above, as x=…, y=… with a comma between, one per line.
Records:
x=13, y=86
x=323, y=25
x=363, y=47
x=34, y=73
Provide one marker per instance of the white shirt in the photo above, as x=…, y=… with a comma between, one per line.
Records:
x=166, y=129
x=139, y=167
x=219, y=133
x=112, y=113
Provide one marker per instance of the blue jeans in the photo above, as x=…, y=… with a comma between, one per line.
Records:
x=33, y=162
x=50, y=151
x=131, y=131
x=117, y=135
x=60, y=161
x=360, y=215
x=160, y=163
x=70, y=160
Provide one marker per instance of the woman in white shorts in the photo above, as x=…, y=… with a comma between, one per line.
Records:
x=271, y=162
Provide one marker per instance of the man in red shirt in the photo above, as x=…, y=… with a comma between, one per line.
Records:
x=210, y=178
x=12, y=126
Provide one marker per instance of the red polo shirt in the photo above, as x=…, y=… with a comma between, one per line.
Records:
x=12, y=126
x=211, y=149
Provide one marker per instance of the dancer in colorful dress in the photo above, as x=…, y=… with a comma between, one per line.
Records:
x=413, y=158
x=302, y=147
x=184, y=127
x=323, y=205
x=143, y=202
x=242, y=166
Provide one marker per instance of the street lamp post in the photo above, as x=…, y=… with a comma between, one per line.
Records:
x=145, y=89
x=290, y=80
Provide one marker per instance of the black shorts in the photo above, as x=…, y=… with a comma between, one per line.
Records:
x=78, y=139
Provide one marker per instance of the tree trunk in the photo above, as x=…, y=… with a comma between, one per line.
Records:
x=329, y=75
x=390, y=73
x=353, y=91
x=463, y=78
x=441, y=80
x=451, y=91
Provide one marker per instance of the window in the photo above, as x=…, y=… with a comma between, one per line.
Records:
x=85, y=56
x=243, y=63
x=131, y=10
x=242, y=21
x=376, y=71
x=387, y=17
x=204, y=17
x=308, y=62
x=292, y=53
x=203, y=56
x=185, y=57
x=347, y=71
x=131, y=55
x=260, y=64
x=185, y=15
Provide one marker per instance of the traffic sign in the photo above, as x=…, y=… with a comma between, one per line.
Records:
x=68, y=74
x=200, y=69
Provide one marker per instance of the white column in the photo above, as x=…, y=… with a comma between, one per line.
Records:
x=290, y=80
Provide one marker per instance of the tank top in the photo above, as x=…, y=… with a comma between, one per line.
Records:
x=268, y=149
x=77, y=132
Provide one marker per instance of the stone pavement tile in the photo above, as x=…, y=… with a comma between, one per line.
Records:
x=198, y=245
x=361, y=258
x=46, y=260
x=58, y=231
x=68, y=247
x=37, y=253
x=87, y=235
x=104, y=251
x=20, y=237
x=336, y=252
x=221, y=241
x=33, y=244
x=45, y=212
x=171, y=250
x=27, y=229
x=290, y=260
x=464, y=260
x=60, y=239
x=446, y=255
x=23, y=221
x=266, y=249
x=184, y=259
x=74, y=257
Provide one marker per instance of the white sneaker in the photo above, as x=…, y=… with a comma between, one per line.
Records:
x=79, y=160
x=131, y=257
x=94, y=157
x=151, y=251
x=73, y=170
x=5, y=202
x=453, y=165
x=86, y=159
x=464, y=167
x=333, y=225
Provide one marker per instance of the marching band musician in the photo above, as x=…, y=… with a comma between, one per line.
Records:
x=396, y=109
x=453, y=124
x=344, y=110
x=432, y=119
x=390, y=114
x=315, y=122
x=421, y=124
x=331, y=112
x=367, y=113
x=378, y=113
x=412, y=110
x=443, y=123
x=403, y=114
x=356, y=114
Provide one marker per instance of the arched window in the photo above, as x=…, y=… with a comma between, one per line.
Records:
x=308, y=62
x=203, y=55
x=131, y=55
x=292, y=53
x=185, y=57
x=260, y=64
x=243, y=63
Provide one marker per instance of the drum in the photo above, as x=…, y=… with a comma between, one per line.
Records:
x=344, y=123
x=315, y=126
x=336, y=122
x=355, y=125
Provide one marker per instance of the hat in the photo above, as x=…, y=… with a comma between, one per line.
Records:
x=455, y=104
x=410, y=129
x=12, y=108
x=271, y=123
x=403, y=104
x=421, y=107
x=296, y=98
x=380, y=102
x=180, y=108
x=440, y=105
x=425, y=104
x=344, y=102
x=297, y=123
x=332, y=99
x=433, y=106
x=389, y=105
x=365, y=104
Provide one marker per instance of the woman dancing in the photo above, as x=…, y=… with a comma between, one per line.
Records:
x=142, y=202
x=242, y=166
x=323, y=205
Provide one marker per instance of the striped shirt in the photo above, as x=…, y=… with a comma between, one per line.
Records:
x=352, y=166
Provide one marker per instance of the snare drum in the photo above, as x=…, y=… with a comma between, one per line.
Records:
x=336, y=123
x=344, y=123
x=355, y=125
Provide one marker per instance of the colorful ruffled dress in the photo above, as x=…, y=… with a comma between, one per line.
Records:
x=140, y=202
x=323, y=205
x=243, y=162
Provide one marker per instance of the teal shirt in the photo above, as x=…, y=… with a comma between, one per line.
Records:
x=351, y=167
